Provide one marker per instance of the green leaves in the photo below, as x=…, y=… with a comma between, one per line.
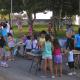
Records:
x=33, y=6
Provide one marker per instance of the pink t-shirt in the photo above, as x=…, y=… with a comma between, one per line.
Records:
x=57, y=51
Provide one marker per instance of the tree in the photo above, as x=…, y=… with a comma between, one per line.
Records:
x=5, y=5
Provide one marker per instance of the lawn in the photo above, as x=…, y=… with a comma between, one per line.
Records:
x=40, y=27
x=37, y=28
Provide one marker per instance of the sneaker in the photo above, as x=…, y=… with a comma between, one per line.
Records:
x=53, y=77
x=70, y=74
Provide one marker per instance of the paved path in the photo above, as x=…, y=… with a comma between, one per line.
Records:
x=19, y=70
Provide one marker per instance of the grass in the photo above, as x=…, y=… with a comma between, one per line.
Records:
x=40, y=27
x=37, y=28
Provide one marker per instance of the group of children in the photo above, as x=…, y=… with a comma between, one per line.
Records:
x=52, y=52
x=49, y=49
x=45, y=43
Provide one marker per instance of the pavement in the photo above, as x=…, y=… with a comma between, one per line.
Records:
x=19, y=70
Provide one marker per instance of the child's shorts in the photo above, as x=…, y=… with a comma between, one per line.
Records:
x=47, y=57
x=71, y=65
x=58, y=59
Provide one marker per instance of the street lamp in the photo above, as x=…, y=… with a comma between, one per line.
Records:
x=11, y=13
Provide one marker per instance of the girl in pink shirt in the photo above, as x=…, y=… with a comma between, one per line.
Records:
x=57, y=57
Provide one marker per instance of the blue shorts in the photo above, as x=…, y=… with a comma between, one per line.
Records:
x=58, y=59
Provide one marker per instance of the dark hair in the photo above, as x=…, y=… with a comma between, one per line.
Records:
x=9, y=34
x=28, y=37
x=48, y=38
x=35, y=37
x=56, y=43
x=11, y=28
x=43, y=32
x=4, y=25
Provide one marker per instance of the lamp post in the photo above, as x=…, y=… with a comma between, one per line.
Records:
x=11, y=13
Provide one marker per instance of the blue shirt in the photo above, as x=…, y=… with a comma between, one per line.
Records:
x=77, y=40
x=4, y=32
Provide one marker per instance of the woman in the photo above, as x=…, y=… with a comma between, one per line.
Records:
x=77, y=43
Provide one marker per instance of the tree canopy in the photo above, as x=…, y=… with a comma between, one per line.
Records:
x=69, y=7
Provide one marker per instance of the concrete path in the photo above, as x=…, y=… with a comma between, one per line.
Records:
x=19, y=70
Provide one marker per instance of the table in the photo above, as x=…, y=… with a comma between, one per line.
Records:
x=76, y=54
x=38, y=63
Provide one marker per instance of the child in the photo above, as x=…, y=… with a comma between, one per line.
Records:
x=11, y=31
x=34, y=43
x=47, y=55
x=2, y=44
x=6, y=56
x=30, y=30
x=11, y=44
x=4, y=31
x=71, y=58
x=57, y=57
x=71, y=62
x=42, y=39
x=28, y=44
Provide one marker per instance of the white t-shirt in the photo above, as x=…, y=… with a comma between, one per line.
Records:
x=28, y=44
x=70, y=56
x=34, y=44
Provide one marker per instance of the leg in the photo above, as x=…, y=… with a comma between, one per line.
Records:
x=60, y=69
x=55, y=68
x=45, y=66
x=31, y=64
x=50, y=66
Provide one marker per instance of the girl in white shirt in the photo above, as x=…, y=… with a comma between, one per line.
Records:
x=28, y=44
x=71, y=61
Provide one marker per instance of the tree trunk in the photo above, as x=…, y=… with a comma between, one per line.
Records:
x=54, y=21
x=30, y=23
x=30, y=20
x=9, y=19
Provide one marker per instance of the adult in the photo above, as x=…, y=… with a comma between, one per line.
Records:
x=50, y=27
x=69, y=31
x=77, y=44
x=19, y=24
x=77, y=40
x=30, y=30
x=4, y=31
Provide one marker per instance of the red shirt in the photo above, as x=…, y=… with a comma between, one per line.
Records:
x=57, y=51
